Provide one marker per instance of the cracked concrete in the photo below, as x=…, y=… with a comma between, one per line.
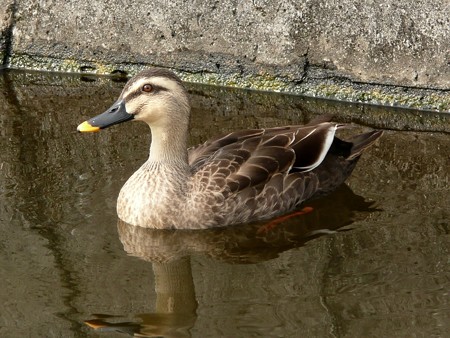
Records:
x=7, y=12
x=320, y=48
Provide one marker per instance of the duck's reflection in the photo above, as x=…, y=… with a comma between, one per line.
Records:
x=175, y=309
x=170, y=250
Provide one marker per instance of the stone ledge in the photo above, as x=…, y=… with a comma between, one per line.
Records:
x=324, y=86
x=382, y=52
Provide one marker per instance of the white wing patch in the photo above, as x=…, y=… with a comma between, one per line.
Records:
x=325, y=147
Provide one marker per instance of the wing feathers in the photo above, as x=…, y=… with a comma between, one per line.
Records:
x=312, y=148
x=273, y=168
x=199, y=154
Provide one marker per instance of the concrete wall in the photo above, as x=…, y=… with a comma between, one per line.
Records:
x=311, y=46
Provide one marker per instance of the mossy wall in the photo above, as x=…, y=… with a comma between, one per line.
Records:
x=351, y=50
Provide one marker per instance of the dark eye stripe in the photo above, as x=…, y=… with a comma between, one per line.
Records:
x=157, y=89
x=136, y=93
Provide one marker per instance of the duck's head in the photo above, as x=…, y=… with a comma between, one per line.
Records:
x=155, y=96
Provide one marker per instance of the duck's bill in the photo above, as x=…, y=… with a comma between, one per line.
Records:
x=117, y=113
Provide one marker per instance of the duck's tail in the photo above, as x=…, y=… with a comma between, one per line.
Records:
x=363, y=141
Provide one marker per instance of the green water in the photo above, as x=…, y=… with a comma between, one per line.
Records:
x=371, y=260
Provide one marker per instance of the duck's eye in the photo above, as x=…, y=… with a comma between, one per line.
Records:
x=147, y=88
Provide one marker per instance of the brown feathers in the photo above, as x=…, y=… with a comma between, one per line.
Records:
x=271, y=171
x=242, y=176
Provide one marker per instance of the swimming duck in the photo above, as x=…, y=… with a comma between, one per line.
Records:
x=243, y=176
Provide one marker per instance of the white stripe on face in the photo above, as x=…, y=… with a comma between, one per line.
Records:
x=164, y=82
x=149, y=106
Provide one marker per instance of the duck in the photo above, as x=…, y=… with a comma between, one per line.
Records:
x=239, y=177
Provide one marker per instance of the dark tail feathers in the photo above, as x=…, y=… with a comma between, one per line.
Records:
x=361, y=142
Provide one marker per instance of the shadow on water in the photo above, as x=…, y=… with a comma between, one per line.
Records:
x=371, y=261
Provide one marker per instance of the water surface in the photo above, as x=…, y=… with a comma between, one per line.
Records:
x=371, y=260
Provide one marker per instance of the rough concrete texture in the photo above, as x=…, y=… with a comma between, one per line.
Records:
x=305, y=47
x=7, y=8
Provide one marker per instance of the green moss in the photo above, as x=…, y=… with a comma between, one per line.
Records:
x=258, y=82
x=439, y=101
x=373, y=94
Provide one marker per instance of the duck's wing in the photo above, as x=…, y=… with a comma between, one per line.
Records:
x=199, y=154
x=308, y=140
x=248, y=158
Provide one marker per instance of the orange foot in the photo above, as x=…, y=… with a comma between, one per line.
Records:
x=264, y=230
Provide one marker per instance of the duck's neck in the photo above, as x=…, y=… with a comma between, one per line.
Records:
x=168, y=146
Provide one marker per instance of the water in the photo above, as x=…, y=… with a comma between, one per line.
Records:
x=372, y=260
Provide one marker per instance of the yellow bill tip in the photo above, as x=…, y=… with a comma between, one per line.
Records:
x=94, y=323
x=86, y=127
